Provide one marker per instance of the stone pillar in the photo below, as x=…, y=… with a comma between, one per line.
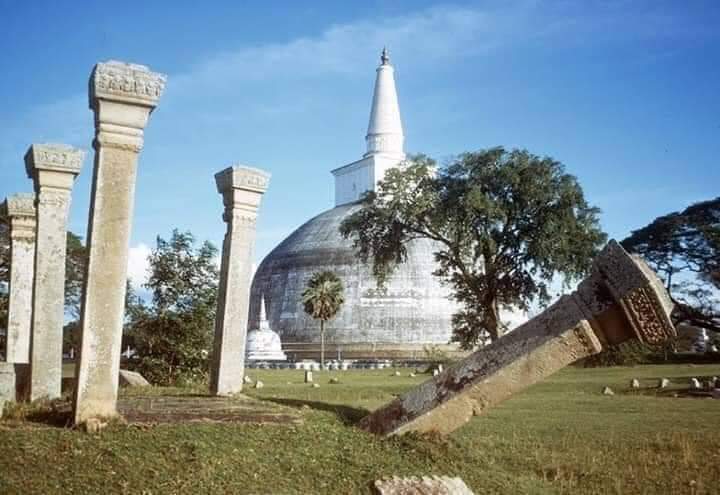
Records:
x=20, y=210
x=122, y=96
x=53, y=168
x=241, y=188
x=622, y=299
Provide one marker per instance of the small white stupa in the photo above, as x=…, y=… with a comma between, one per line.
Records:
x=262, y=343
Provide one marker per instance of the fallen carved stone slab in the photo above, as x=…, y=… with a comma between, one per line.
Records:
x=427, y=485
x=132, y=379
x=621, y=299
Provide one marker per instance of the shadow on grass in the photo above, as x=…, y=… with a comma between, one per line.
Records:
x=348, y=415
x=56, y=413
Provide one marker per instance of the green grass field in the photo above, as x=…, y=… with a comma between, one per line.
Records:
x=560, y=436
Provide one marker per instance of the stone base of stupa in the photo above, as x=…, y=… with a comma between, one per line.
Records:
x=266, y=356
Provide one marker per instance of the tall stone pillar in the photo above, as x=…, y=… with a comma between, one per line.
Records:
x=20, y=210
x=241, y=188
x=622, y=299
x=53, y=168
x=122, y=96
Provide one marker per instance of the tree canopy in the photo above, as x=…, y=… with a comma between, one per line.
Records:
x=172, y=335
x=684, y=249
x=504, y=224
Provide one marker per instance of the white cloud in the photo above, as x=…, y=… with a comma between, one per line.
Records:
x=426, y=37
x=138, y=265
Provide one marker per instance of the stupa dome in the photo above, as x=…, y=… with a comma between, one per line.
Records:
x=262, y=343
x=413, y=312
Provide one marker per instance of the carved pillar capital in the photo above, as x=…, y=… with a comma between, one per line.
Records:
x=122, y=96
x=53, y=166
x=242, y=188
x=20, y=210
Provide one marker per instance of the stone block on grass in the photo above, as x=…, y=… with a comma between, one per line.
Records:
x=132, y=379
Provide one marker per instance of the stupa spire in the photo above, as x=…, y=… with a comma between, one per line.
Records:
x=264, y=324
x=385, y=133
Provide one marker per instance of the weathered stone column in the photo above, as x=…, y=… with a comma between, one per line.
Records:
x=53, y=168
x=241, y=188
x=122, y=97
x=20, y=210
x=622, y=299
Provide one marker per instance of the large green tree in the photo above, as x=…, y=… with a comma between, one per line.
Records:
x=322, y=299
x=504, y=224
x=683, y=247
x=172, y=335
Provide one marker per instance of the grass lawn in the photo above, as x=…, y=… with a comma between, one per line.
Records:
x=560, y=436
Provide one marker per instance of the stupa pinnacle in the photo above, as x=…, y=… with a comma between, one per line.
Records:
x=384, y=139
x=385, y=133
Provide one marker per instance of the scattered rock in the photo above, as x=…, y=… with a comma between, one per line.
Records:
x=308, y=376
x=412, y=375
x=694, y=384
x=397, y=373
x=259, y=384
x=315, y=385
x=436, y=372
x=608, y=391
x=663, y=383
x=247, y=380
x=334, y=381
x=436, y=485
x=634, y=383
x=132, y=379
x=93, y=425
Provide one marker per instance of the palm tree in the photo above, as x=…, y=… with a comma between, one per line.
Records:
x=322, y=299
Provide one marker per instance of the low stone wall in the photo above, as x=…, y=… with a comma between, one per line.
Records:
x=373, y=351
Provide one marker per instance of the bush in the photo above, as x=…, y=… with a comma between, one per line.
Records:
x=628, y=353
x=172, y=336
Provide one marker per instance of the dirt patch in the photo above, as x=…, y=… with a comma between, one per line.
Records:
x=159, y=409
x=238, y=409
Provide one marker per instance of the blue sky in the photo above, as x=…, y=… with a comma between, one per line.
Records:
x=625, y=93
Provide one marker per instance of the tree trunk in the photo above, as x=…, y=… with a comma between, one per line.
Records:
x=322, y=344
x=492, y=318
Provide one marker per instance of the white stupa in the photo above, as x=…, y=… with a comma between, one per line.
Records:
x=262, y=343
x=415, y=309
